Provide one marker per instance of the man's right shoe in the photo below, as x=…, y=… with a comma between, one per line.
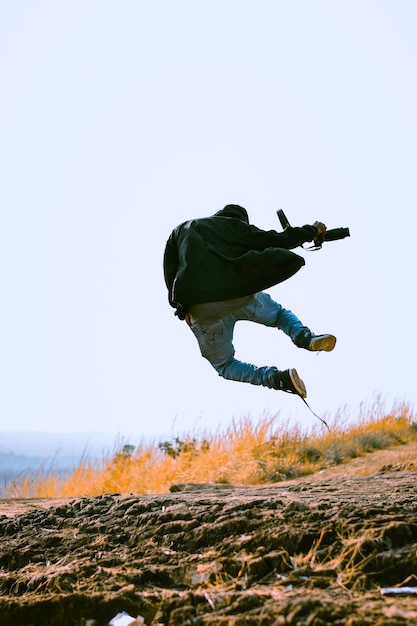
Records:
x=315, y=343
x=322, y=342
x=289, y=381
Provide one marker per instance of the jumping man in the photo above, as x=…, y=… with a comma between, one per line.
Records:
x=216, y=270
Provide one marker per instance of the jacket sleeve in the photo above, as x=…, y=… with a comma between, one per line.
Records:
x=288, y=239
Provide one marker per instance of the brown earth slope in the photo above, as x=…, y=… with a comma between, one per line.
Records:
x=313, y=551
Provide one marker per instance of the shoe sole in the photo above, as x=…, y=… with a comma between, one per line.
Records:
x=324, y=343
x=299, y=385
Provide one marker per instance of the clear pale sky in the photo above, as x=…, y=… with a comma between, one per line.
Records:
x=119, y=120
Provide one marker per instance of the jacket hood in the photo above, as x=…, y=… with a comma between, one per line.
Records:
x=234, y=211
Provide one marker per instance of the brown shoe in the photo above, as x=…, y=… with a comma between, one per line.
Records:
x=289, y=381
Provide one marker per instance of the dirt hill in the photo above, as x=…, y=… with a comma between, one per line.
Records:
x=314, y=551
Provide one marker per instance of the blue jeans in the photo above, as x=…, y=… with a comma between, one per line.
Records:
x=216, y=340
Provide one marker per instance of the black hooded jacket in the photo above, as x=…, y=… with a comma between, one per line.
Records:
x=223, y=256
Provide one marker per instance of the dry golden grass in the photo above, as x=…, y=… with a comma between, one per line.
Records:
x=246, y=452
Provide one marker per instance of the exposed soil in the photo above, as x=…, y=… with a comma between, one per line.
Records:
x=313, y=551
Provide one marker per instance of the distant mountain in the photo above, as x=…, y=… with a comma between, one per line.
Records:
x=16, y=463
x=56, y=445
x=14, y=467
x=22, y=452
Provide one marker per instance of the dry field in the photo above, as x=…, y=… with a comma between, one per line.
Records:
x=316, y=550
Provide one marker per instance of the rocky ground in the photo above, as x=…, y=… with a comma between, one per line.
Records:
x=314, y=551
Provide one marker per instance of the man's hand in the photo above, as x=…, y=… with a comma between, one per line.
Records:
x=321, y=228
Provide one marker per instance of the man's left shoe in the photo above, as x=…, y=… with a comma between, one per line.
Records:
x=289, y=381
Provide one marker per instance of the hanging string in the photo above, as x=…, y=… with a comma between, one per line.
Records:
x=315, y=414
